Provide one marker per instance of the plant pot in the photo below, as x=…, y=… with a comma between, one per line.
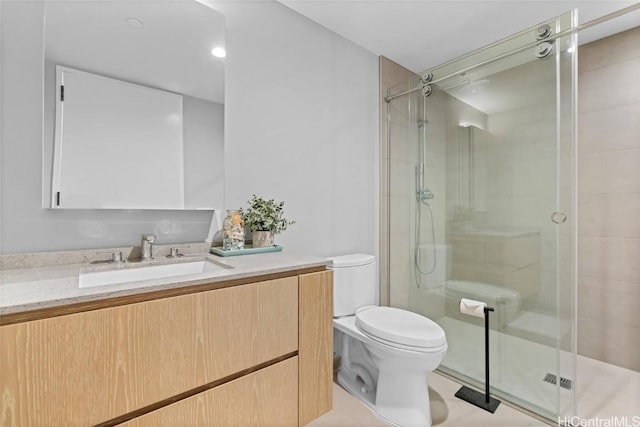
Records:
x=262, y=239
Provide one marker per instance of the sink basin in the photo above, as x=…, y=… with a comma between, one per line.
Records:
x=136, y=274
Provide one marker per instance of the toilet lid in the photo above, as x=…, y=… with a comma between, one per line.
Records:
x=400, y=326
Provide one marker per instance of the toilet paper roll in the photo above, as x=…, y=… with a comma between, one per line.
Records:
x=472, y=307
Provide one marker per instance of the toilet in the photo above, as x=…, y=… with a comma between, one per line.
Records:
x=386, y=354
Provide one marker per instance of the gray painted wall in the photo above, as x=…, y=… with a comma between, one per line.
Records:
x=302, y=127
x=300, y=122
x=26, y=227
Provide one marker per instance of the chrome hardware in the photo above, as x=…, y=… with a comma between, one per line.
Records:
x=544, y=49
x=424, y=194
x=426, y=78
x=116, y=257
x=543, y=32
x=426, y=87
x=147, y=246
x=558, y=217
x=174, y=253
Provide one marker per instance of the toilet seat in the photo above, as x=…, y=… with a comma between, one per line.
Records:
x=400, y=328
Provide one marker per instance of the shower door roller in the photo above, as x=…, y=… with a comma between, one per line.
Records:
x=544, y=49
x=558, y=217
x=543, y=32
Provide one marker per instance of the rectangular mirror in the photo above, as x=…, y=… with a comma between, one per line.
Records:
x=141, y=124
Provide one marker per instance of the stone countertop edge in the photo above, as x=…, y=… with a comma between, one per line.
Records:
x=63, y=289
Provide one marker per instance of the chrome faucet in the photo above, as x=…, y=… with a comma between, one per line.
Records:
x=174, y=253
x=147, y=246
x=116, y=258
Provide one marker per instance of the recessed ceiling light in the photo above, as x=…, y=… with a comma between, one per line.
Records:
x=135, y=22
x=219, y=52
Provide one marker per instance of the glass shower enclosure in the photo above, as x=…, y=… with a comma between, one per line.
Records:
x=482, y=204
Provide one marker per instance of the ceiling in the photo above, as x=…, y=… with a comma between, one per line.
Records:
x=177, y=37
x=420, y=34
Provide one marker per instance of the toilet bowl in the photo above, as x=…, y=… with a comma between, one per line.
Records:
x=386, y=353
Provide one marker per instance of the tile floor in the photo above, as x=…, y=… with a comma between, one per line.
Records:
x=605, y=393
x=446, y=410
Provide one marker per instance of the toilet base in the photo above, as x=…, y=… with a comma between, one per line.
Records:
x=403, y=396
x=355, y=388
x=391, y=382
x=417, y=416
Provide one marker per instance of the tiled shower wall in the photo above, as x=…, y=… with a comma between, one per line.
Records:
x=391, y=74
x=515, y=189
x=609, y=200
x=398, y=213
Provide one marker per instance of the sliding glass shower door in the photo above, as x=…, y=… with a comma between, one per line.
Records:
x=482, y=206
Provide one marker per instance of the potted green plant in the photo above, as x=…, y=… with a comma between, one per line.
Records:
x=264, y=218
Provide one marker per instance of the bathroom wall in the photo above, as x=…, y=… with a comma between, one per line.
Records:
x=301, y=126
x=399, y=160
x=25, y=226
x=391, y=74
x=521, y=195
x=426, y=286
x=609, y=200
x=301, y=122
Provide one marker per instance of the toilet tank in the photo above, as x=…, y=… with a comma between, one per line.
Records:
x=354, y=283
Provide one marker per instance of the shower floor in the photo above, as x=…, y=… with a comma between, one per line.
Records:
x=602, y=390
x=518, y=366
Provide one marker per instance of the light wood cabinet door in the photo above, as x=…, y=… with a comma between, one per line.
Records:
x=316, y=345
x=90, y=367
x=266, y=398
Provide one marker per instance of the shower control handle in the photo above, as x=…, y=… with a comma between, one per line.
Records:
x=424, y=194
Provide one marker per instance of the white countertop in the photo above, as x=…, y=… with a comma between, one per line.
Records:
x=45, y=287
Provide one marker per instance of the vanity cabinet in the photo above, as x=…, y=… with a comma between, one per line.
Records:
x=251, y=354
x=266, y=395
x=315, y=345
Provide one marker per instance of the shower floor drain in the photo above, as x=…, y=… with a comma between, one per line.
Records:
x=552, y=379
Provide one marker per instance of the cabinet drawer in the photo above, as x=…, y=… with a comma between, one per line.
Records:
x=268, y=397
x=90, y=367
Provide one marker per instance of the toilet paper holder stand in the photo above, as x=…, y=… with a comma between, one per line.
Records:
x=484, y=401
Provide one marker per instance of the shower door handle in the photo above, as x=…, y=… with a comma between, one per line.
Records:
x=558, y=217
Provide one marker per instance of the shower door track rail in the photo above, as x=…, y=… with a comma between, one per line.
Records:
x=552, y=37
